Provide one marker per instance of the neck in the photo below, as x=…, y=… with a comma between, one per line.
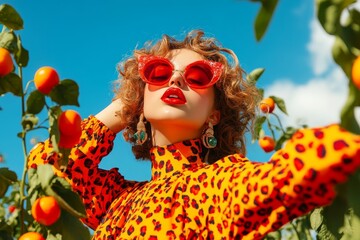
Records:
x=163, y=134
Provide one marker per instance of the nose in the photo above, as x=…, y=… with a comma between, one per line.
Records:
x=177, y=79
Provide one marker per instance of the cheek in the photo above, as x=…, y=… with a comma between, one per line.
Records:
x=152, y=100
x=205, y=99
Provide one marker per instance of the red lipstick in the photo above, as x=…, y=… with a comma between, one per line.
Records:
x=173, y=96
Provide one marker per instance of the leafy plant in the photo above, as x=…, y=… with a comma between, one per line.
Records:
x=341, y=220
x=18, y=194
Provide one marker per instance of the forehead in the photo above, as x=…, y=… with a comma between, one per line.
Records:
x=183, y=57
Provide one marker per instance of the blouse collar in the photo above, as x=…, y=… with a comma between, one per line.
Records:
x=175, y=158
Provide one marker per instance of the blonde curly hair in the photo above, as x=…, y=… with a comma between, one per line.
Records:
x=236, y=99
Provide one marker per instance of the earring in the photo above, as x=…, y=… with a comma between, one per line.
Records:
x=140, y=136
x=208, y=138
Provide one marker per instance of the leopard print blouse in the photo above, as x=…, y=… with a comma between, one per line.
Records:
x=233, y=198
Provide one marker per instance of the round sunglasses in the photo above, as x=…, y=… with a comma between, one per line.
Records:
x=156, y=70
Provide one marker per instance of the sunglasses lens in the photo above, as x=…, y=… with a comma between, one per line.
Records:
x=158, y=72
x=198, y=75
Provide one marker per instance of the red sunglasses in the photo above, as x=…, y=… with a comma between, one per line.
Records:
x=156, y=70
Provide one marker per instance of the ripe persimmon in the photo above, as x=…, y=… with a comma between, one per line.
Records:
x=31, y=236
x=45, y=79
x=46, y=210
x=69, y=123
x=267, y=143
x=267, y=105
x=6, y=62
x=355, y=72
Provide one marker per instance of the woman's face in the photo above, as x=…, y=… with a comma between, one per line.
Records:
x=175, y=103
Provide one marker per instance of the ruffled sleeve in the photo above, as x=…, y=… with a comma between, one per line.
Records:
x=257, y=198
x=96, y=186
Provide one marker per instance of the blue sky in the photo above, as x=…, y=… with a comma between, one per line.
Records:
x=85, y=40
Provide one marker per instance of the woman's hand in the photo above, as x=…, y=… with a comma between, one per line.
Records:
x=109, y=117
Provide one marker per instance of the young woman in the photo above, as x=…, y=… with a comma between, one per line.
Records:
x=185, y=106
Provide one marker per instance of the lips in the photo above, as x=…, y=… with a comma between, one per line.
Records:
x=173, y=96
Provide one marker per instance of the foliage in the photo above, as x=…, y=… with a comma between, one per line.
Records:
x=18, y=194
x=340, y=220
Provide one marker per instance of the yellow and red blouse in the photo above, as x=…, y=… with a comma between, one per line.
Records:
x=186, y=198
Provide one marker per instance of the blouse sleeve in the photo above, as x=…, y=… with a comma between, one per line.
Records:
x=298, y=178
x=96, y=186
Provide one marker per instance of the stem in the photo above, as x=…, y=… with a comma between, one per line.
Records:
x=27, y=86
x=22, y=185
x=294, y=227
x=270, y=127
x=278, y=119
x=23, y=140
x=39, y=127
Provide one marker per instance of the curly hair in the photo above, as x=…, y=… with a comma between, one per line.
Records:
x=235, y=98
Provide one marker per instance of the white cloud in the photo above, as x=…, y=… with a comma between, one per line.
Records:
x=320, y=48
x=318, y=101
x=315, y=103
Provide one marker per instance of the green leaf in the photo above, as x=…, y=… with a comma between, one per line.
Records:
x=338, y=208
x=348, y=119
x=7, y=177
x=350, y=32
x=70, y=228
x=33, y=177
x=289, y=132
x=329, y=13
x=11, y=83
x=355, y=223
x=258, y=126
x=3, y=188
x=280, y=142
x=8, y=40
x=254, y=75
x=353, y=192
x=35, y=102
x=279, y=103
x=50, y=236
x=263, y=17
x=66, y=93
x=6, y=231
x=343, y=56
x=45, y=174
x=54, y=113
x=316, y=219
x=21, y=55
x=276, y=235
x=67, y=199
x=10, y=17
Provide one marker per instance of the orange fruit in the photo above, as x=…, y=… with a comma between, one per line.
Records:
x=267, y=105
x=69, y=123
x=45, y=79
x=355, y=72
x=6, y=63
x=267, y=143
x=31, y=236
x=46, y=210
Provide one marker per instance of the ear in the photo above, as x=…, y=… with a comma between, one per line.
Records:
x=214, y=117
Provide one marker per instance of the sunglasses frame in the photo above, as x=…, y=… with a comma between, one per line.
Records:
x=216, y=69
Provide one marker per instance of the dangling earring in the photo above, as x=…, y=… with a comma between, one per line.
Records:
x=140, y=136
x=208, y=138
